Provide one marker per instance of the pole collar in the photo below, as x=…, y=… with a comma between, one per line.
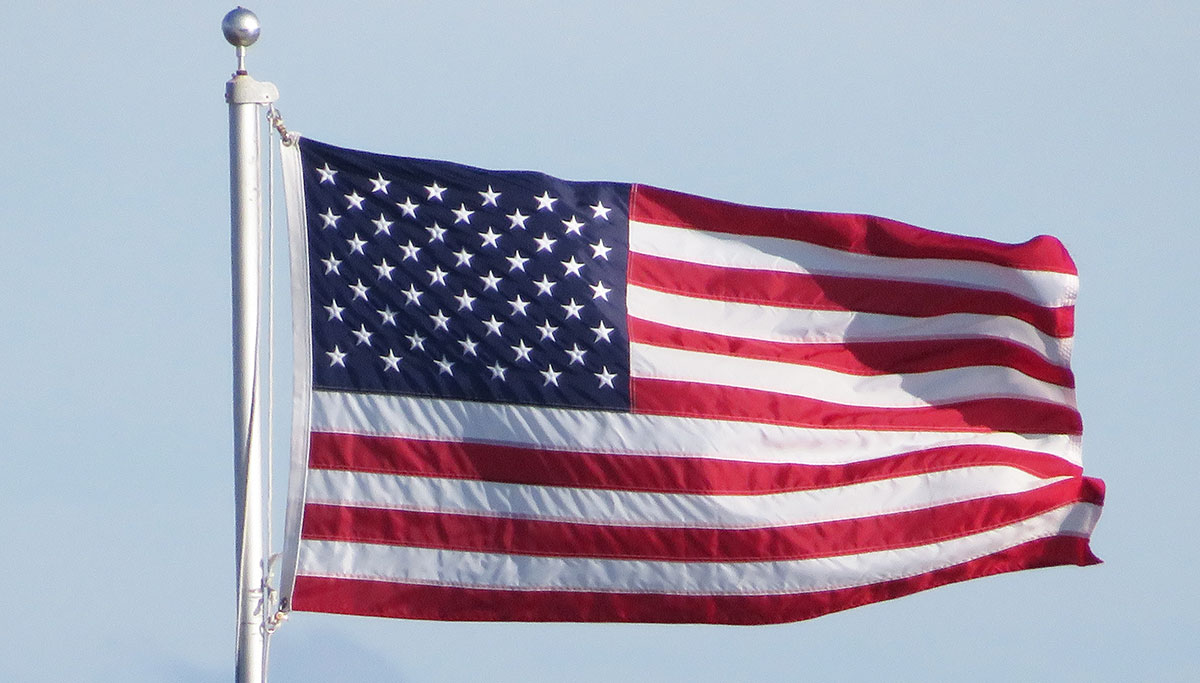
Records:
x=242, y=89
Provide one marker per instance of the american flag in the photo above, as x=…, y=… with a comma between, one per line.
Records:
x=523, y=398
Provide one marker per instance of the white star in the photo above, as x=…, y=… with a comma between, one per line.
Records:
x=335, y=311
x=385, y=271
x=327, y=174
x=360, y=290
x=517, y=262
x=410, y=250
x=356, y=244
x=497, y=371
x=573, y=226
x=490, y=238
x=435, y=192
x=546, y=201
x=468, y=345
x=599, y=210
x=437, y=276
x=491, y=281
x=576, y=354
x=444, y=366
x=493, y=325
x=545, y=242
x=331, y=264
x=547, y=331
x=364, y=337
x=440, y=320
x=330, y=218
x=573, y=309
x=599, y=291
x=413, y=294
x=336, y=357
x=378, y=184
x=490, y=197
x=521, y=350
x=465, y=300
x=382, y=225
x=551, y=375
x=462, y=214
x=408, y=207
x=435, y=232
x=391, y=361
x=600, y=251
x=354, y=201
x=517, y=219
x=544, y=285
x=416, y=341
x=518, y=305
x=605, y=377
x=572, y=267
x=602, y=331
x=464, y=257
x=388, y=315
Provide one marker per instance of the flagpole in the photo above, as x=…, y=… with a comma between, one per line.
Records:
x=245, y=95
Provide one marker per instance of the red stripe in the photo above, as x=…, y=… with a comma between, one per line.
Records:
x=409, y=601
x=849, y=232
x=667, y=397
x=836, y=293
x=861, y=358
x=476, y=533
x=535, y=467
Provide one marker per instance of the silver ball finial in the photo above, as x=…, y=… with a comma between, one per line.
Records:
x=240, y=27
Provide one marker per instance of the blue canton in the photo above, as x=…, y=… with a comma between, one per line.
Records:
x=435, y=279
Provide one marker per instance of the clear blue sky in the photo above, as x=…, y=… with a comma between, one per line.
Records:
x=1001, y=120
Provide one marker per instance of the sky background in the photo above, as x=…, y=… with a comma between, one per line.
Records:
x=1001, y=120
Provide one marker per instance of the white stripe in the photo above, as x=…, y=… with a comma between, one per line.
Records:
x=801, y=325
x=911, y=390
x=518, y=572
x=1044, y=288
x=672, y=510
x=656, y=435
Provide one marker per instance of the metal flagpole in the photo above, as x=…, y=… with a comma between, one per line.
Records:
x=245, y=95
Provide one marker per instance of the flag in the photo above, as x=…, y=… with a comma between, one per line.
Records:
x=527, y=399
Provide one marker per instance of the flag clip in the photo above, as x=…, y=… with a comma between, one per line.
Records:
x=276, y=120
